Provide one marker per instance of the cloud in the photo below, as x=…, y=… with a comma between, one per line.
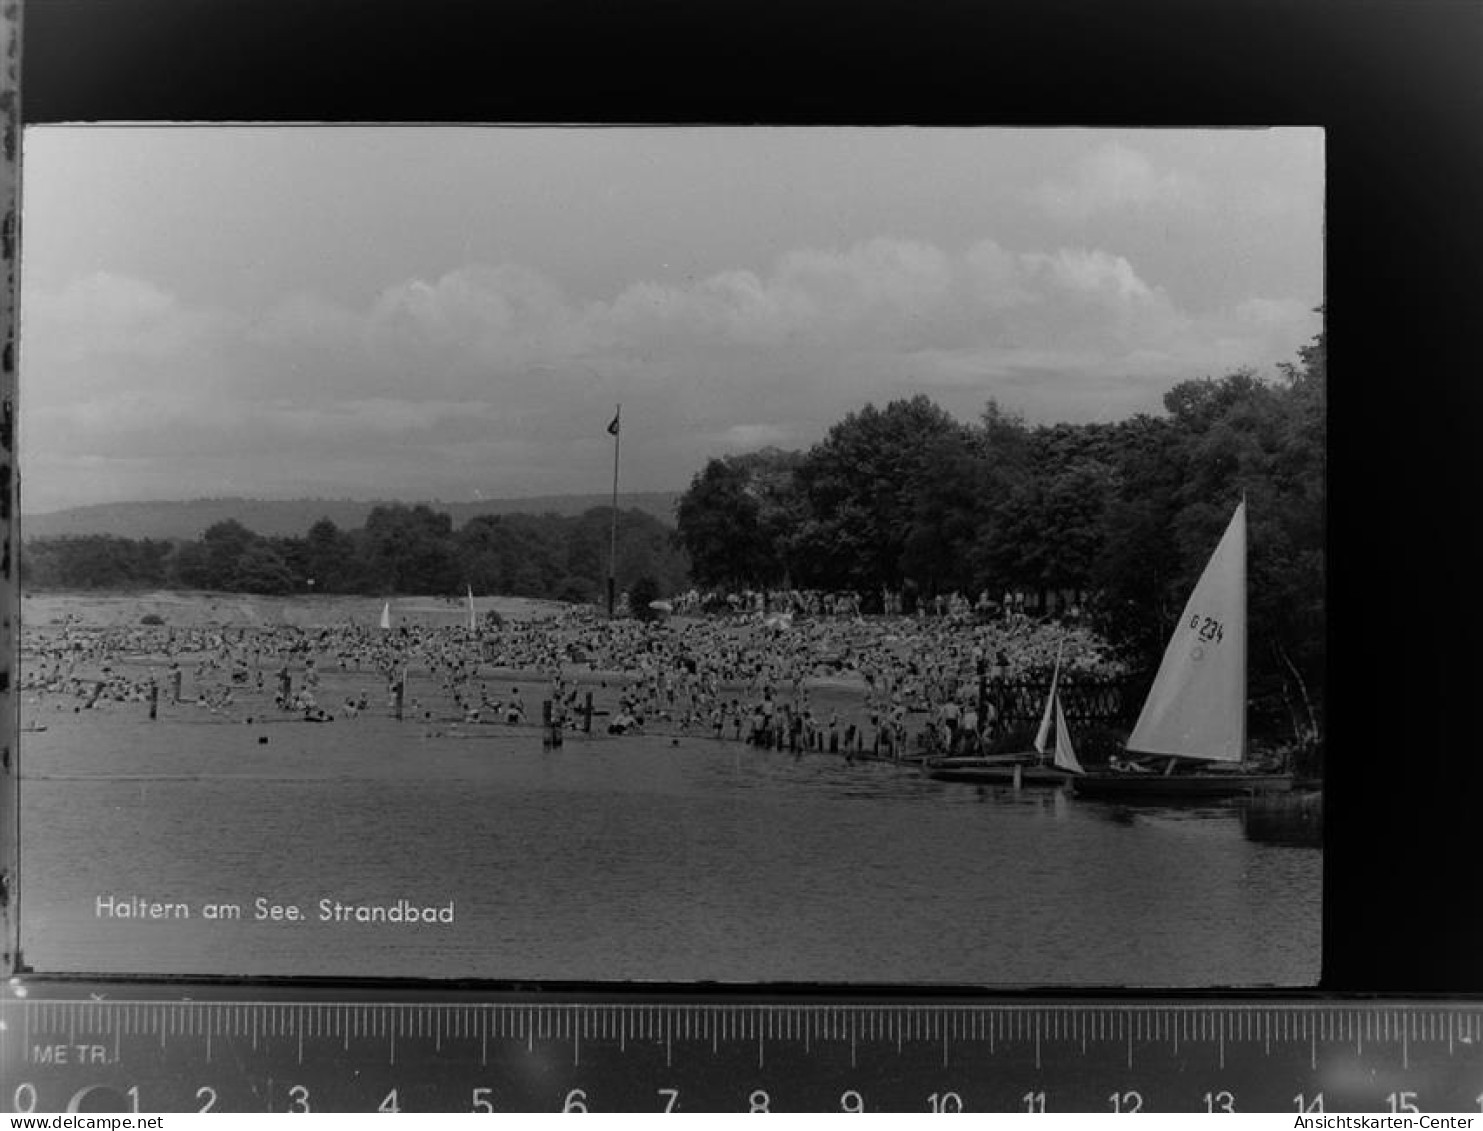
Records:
x=1115, y=178
x=492, y=377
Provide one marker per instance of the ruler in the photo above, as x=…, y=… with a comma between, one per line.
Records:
x=176, y=1047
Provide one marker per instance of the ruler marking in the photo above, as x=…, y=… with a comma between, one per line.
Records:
x=1359, y=1023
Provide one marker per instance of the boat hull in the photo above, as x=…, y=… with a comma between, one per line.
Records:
x=1000, y=774
x=980, y=761
x=1132, y=787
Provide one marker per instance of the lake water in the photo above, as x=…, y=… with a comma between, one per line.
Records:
x=630, y=859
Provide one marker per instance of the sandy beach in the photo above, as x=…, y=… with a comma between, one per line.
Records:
x=201, y=610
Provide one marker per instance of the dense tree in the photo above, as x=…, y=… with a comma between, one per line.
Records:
x=411, y=550
x=645, y=545
x=737, y=519
x=401, y=550
x=330, y=560
x=224, y=543
x=261, y=569
x=864, y=484
x=95, y=561
x=944, y=509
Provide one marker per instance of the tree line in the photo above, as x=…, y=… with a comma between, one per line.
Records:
x=400, y=549
x=906, y=498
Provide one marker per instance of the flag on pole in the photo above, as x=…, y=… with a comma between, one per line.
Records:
x=613, y=427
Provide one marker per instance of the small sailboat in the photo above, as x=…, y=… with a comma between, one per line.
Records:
x=473, y=620
x=1064, y=763
x=386, y=615
x=1195, y=715
x=1029, y=768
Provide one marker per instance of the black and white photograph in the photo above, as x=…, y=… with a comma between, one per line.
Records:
x=883, y=556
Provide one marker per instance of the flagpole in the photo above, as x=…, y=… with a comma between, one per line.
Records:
x=617, y=430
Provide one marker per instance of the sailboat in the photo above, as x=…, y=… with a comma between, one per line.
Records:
x=473, y=621
x=386, y=615
x=1027, y=768
x=1195, y=715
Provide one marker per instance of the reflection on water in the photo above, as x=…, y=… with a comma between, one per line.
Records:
x=1288, y=821
x=636, y=859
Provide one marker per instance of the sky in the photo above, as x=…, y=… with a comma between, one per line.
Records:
x=454, y=313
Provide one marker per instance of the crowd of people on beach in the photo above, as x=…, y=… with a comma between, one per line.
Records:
x=796, y=671
x=889, y=602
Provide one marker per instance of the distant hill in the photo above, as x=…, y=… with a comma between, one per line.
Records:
x=292, y=517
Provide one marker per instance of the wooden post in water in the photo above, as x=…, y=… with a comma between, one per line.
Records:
x=983, y=689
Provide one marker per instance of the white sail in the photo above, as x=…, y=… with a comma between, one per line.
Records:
x=1042, y=736
x=473, y=623
x=386, y=615
x=1197, y=705
x=1065, y=752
